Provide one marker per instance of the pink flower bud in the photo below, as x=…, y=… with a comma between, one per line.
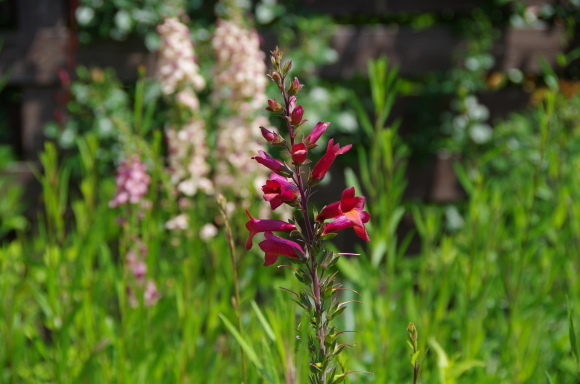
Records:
x=297, y=114
x=275, y=165
x=273, y=138
x=268, y=135
x=274, y=106
x=295, y=87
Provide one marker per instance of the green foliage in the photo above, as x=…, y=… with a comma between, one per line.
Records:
x=11, y=204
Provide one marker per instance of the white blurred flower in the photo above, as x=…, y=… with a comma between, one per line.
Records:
x=177, y=67
x=207, y=232
x=180, y=221
x=240, y=84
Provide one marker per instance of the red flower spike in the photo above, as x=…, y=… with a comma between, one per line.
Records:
x=323, y=165
x=299, y=153
x=275, y=246
x=262, y=225
x=279, y=190
x=343, y=222
x=297, y=114
x=313, y=137
x=275, y=165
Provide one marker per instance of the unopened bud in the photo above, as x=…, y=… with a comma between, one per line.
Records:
x=299, y=153
x=273, y=138
x=274, y=106
x=297, y=114
x=412, y=333
x=221, y=199
x=287, y=67
x=276, y=77
x=274, y=63
x=295, y=87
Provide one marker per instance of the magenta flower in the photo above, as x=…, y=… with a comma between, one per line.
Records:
x=343, y=222
x=279, y=190
x=260, y=225
x=313, y=137
x=275, y=165
x=275, y=246
x=299, y=153
x=323, y=165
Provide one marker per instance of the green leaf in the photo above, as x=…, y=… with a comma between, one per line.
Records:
x=414, y=357
x=263, y=321
x=548, y=378
x=572, y=332
x=243, y=343
x=328, y=236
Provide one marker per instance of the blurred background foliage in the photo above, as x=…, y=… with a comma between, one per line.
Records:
x=490, y=279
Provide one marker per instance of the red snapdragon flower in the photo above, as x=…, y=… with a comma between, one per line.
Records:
x=275, y=246
x=313, y=136
x=262, y=225
x=323, y=165
x=299, y=153
x=343, y=222
x=275, y=165
x=348, y=213
x=279, y=190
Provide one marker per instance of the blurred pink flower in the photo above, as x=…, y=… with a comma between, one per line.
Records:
x=132, y=182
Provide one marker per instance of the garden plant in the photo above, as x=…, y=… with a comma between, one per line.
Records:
x=140, y=257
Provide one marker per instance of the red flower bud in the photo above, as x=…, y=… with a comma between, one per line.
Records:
x=299, y=153
x=297, y=114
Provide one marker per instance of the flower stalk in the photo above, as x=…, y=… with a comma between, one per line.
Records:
x=292, y=185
